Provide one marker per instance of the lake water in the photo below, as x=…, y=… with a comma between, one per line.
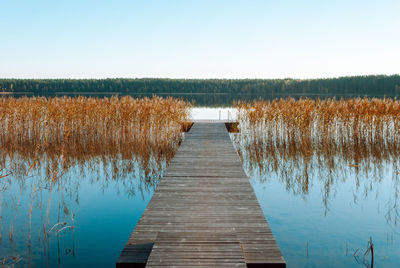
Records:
x=83, y=220
x=86, y=217
x=328, y=219
x=219, y=100
x=219, y=113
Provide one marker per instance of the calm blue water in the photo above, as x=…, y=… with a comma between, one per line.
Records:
x=318, y=224
x=98, y=211
x=324, y=222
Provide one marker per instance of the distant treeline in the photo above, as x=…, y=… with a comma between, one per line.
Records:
x=373, y=85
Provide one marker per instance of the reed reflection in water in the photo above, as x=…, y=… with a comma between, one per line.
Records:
x=326, y=173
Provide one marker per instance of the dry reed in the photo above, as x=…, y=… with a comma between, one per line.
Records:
x=306, y=126
x=66, y=130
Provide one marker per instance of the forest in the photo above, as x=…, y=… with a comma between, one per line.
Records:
x=372, y=85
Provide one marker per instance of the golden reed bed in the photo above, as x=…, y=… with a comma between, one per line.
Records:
x=305, y=126
x=65, y=130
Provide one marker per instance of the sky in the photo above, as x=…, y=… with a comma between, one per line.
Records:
x=198, y=38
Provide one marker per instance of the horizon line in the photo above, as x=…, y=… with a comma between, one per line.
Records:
x=191, y=78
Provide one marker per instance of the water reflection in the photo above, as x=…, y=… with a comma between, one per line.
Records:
x=220, y=113
x=41, y=213
x=298, y=171
x=324, y=201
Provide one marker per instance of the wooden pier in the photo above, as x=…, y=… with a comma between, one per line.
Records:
x=204, y=211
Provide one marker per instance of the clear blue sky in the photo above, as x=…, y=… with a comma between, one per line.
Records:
x=198, y=38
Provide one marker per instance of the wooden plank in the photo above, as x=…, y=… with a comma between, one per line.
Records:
x=196, y=248
x=204, y=211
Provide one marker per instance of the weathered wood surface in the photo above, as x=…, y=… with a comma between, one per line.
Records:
x=204, y=211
